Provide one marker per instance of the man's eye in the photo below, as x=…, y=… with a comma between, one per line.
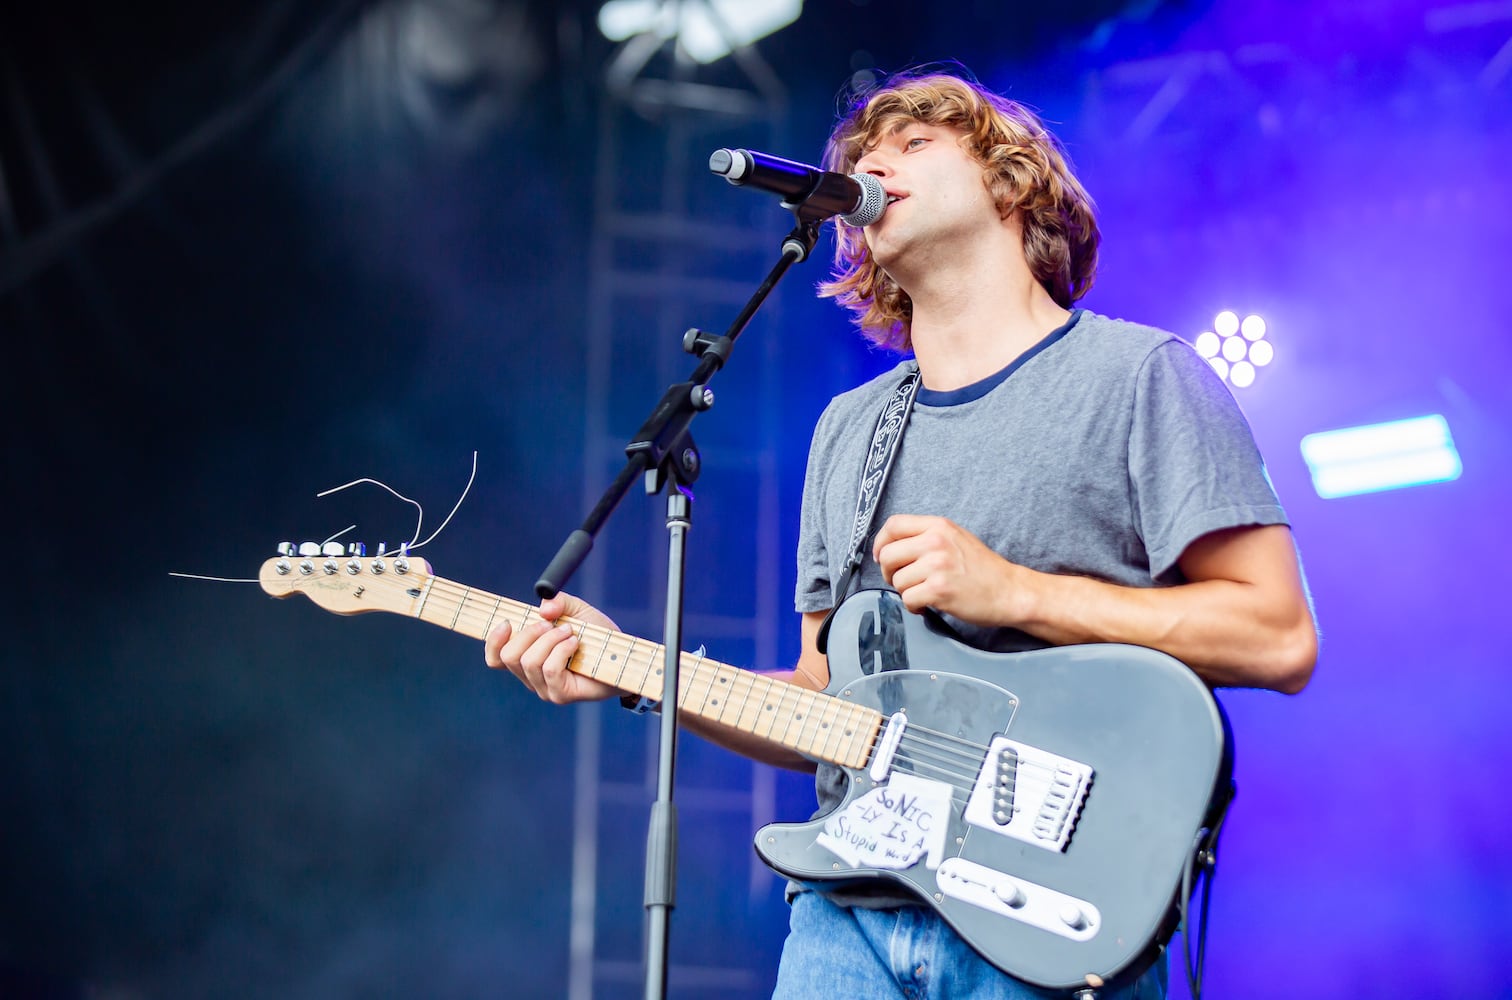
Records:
x=915, y=142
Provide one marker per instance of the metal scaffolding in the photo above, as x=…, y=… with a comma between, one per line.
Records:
x=671, y=248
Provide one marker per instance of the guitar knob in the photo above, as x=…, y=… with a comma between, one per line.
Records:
x=1009, y=893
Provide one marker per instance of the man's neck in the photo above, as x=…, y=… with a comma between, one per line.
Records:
x=977, y=321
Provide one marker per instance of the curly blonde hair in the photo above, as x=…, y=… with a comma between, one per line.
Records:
x=1024, y=168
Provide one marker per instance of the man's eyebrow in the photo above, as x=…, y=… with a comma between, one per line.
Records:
x=877, y=135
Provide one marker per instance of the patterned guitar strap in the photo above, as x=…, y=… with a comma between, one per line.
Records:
x=879, y=462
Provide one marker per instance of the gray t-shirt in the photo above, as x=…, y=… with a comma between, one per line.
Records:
x=1103, y=451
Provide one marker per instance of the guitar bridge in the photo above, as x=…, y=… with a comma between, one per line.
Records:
x=1029, y=794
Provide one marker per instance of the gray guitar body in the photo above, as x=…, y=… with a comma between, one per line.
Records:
x=1046, y=803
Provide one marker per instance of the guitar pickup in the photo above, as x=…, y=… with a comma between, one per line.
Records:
x=1028, y=794
x=1004, y=778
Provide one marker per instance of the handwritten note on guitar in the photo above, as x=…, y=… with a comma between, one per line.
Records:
x=892, y=825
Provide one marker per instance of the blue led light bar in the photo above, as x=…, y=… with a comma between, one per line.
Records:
x=1378, y=457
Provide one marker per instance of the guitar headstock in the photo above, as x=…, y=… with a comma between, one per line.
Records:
x=346, y=582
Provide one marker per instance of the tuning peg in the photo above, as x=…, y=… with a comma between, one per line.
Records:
x=287, y=549
x=309, y=548
x=333, y=549
x=357, y=549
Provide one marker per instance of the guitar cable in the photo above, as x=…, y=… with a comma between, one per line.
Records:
x=1204, y=853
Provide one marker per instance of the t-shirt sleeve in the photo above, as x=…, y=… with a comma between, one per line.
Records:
x=1194, y=466
x=815, y=589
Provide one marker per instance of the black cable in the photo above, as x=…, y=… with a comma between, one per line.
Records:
x=1204, y=853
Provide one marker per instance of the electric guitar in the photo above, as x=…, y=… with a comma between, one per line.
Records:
x=1046, y=804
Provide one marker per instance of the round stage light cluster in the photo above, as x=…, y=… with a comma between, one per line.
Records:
x=1236, y=348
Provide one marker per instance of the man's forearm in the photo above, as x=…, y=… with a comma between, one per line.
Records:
x=1230, y=633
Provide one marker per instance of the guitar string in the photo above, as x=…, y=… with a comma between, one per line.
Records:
x=969, y=777
x=923, y=761
x=414, y=542
x=929, y=758
x=925, y=756
x=1019, y=762
x=462, y=600
x=458, y=603
x=947, y=758
x=920, y=754
x=448, y=596
x=914, y=749
x=924, y=747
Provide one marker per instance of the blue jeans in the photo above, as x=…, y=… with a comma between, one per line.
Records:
x=908, y=953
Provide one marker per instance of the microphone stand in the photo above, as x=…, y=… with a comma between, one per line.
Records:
x=663, y=451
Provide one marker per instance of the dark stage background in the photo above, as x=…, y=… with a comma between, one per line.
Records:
x=252, y=251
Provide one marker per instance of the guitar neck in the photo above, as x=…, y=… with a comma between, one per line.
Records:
x=817, y=725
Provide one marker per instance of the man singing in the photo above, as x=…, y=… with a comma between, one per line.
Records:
x=1062, y=478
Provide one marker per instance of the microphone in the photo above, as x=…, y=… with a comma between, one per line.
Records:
x=858, y=199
